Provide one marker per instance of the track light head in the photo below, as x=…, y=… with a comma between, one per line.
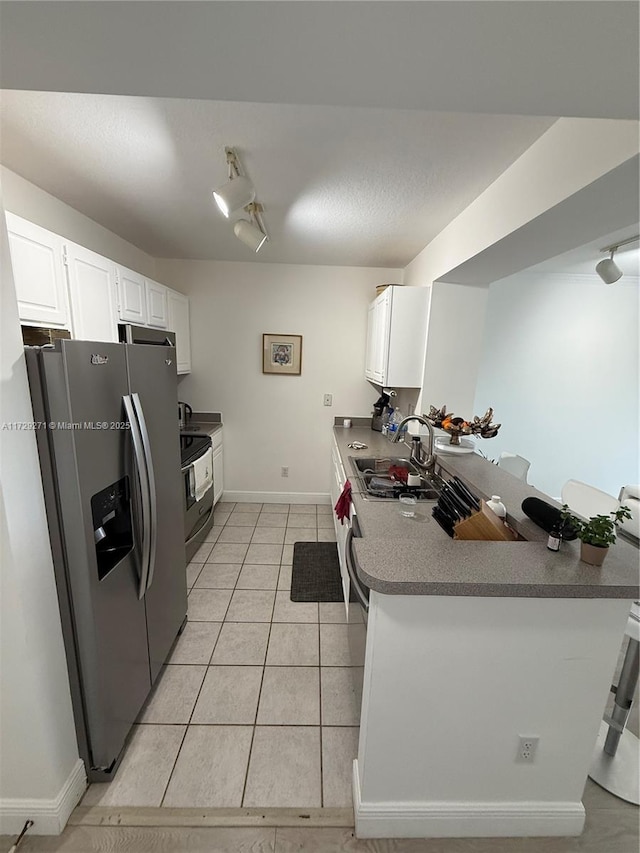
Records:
x=608, y=270
x=249, y=233
x=234, y=195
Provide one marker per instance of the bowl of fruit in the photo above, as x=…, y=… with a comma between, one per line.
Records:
x=457, y=427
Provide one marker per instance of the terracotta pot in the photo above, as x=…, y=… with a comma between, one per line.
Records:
x=593, y=554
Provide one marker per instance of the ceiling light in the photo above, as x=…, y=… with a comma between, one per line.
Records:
x=252, y=233
x=238, y=192
x=608, y=269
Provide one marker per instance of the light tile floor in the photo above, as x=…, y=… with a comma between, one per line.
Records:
x=258, y=704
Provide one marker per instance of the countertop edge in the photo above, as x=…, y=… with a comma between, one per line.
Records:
x=615, y=581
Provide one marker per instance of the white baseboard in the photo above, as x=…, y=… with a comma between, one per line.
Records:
x=462, y=819
x=277, y=497
x=49, y=816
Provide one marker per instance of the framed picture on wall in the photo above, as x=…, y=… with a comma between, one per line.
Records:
x=282, y=354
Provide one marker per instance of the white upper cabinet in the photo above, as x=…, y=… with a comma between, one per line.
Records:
x=178, y=309
x=378, y=338
x=92, y=294
x=157, y=315
x=396, y=337
x=38, y=272
x=132, y=297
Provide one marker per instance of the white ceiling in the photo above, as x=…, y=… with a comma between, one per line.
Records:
x=365, y=126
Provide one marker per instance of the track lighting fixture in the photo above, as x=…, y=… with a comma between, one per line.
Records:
x=251, y=232
x=238, y=192
x=608, y=269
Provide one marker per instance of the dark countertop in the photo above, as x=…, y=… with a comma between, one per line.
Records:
x=414, y=556
x=208, y=422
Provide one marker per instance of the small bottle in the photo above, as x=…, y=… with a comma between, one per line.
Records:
x=498, y=507
x=555, y=537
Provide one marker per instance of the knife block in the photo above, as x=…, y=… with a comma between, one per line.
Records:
x=484, y=525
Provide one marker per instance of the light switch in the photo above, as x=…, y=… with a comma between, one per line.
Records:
x=328, y=399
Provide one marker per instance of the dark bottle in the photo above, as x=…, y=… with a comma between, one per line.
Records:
x=555, y=537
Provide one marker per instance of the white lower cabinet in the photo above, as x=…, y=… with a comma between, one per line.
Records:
x=92, y=295
x=218, y=467
x=178, y=310
x=338, y=479
x=38, y=273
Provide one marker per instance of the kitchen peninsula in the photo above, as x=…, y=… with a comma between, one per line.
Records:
x=471, y=648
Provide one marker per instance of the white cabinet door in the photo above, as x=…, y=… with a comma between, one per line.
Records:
x=397, y=329
x=337, y=482
x=156, y=304
x=132, y=298
x=92, y=294
x=369, y=358
x=178, y=308
x=378, y=328
x=38, y=272
x=218, y=467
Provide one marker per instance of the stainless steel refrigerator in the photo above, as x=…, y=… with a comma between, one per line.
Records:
x=110, y=460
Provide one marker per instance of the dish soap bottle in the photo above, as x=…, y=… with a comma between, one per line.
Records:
x=498, y=507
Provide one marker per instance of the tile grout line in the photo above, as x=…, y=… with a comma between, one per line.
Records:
x=255, y=723
x=186, y=729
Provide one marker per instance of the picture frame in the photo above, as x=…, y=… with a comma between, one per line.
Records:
x=282, y=354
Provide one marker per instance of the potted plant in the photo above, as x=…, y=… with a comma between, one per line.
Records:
x=596, y=534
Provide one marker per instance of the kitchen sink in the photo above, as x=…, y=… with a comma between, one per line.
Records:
x=375, y=481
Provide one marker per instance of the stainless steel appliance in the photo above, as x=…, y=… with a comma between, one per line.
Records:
x=130, y=334
x=110, y=460
x=198, y=513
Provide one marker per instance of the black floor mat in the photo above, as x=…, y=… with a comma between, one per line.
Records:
x=316, y=572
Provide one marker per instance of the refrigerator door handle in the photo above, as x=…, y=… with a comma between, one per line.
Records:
x=143, y=478
x=153, y=500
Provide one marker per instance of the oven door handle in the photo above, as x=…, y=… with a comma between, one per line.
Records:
x=356, y=583
x=191, y=479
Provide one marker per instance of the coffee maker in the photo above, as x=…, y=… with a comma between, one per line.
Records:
x=184, y=414
x=379, y=408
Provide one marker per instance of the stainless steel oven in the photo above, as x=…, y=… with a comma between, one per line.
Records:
x=198, y=513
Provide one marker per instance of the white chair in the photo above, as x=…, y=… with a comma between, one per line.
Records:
x=615, y=762
x=514, y=464
x=630, y=497
x=586, y=500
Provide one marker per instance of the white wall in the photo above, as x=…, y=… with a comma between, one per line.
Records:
x=38, y=750
x=560, y=367
x=454, y=342
x=29, y=201
x=274, y=421
x=572, y=154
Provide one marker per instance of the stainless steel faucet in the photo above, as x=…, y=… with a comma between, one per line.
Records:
x=416, y=450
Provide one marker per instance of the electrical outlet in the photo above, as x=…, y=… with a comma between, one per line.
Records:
x=284, y=471
x=527, y=747
x=327, y=400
